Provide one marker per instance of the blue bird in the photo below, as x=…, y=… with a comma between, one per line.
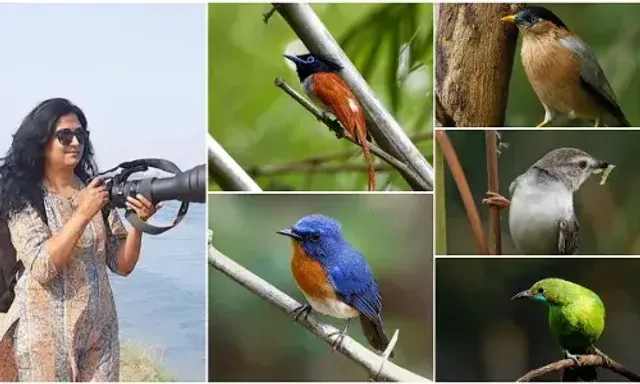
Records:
x=335, y=278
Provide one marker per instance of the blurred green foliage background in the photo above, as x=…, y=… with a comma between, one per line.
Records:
x=613, y=33
x=251, y=340
x=608, y=214
x=484, y=336
x=264, y=129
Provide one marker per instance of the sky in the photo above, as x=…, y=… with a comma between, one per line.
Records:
x=137, y=71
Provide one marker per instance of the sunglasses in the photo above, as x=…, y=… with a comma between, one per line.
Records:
x=65, y=136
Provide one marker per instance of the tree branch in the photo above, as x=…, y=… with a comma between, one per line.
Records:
x=319, y=163
x=494, y=186
x=465, y=192
x=345, y=154
x=226, y=172
x=377, y=366
x=474, y=57
x=383, y=128
x=286, y=169
x=585, y=360
x=414, y=180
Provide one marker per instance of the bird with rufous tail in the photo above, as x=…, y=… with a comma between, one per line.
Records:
x=322, y=83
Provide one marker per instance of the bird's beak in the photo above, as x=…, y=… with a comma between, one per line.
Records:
x=522, y=295
x=601, y=166
x=295, y=59
x=510, y=19
x=288, y=232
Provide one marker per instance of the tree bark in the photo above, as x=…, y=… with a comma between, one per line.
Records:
x=474, y=58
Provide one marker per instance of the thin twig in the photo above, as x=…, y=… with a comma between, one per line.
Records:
x=412, y=178
x=267, y=15
x=318, y=163
x=585, y=360
x=494, y=186
x=278, y=170
x=465, y=192
x=441, y=203
x=226, y=172
x=345, y=154
x=373, y=363
x=383, y=128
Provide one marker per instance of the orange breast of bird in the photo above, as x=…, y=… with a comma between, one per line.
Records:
x=554, y=73
x=337, y=97
x=309, y=275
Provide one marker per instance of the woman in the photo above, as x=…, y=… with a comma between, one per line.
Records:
x=62, y=325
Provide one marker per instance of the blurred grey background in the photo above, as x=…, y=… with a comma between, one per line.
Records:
x=483, y=336
x=613, y=33
x=608, y=214
x=251, y=340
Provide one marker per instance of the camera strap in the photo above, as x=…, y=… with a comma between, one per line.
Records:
x=130, y=215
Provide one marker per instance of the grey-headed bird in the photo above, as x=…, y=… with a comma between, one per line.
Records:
x=542, y=220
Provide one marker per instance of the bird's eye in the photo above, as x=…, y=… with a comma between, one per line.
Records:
x=583, y=164
x=315, y=237
x=540, y=290
x=310, y=59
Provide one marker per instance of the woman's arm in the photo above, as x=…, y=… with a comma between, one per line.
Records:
x=60, y=246
x=122, y=256
x=42, y=254
x=128, y=253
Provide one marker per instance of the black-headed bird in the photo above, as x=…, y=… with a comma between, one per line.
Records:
x=563, y=70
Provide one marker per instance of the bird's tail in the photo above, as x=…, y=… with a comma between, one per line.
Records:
x=374, y=331
x=616, y=118
x=580, y=374
x=363, y=137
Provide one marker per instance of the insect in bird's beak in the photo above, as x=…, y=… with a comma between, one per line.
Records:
x=604, y=168
x=289, y=232
x=522, y=295
x=510, y=19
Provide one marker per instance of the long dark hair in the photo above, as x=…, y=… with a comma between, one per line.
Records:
x=22, y=169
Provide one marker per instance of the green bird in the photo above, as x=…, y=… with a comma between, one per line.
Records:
x=576, y=318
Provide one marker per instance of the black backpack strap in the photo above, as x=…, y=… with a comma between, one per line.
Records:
x=38, y=205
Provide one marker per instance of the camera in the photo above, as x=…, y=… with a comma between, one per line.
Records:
x=189, y=186
x=185, y=186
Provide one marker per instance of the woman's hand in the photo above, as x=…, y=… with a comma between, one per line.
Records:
x=142, y=207
x=92, y=198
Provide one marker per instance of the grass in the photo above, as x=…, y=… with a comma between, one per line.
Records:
x=140, y=364
x=137, y=363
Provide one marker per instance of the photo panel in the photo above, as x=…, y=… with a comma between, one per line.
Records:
x=364, y=257
x=560, y=192
x=517, y=65
x=508, y=319
x=321, y=97
x=102, y=140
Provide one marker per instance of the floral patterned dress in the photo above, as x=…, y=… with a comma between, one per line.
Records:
x=62, y=325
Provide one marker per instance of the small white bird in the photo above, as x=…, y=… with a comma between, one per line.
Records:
x=542, y=220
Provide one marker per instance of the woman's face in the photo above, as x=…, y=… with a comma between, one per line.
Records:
x=65, y=147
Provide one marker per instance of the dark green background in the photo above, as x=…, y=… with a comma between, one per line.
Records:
x=608, y=214
x=484, y=336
